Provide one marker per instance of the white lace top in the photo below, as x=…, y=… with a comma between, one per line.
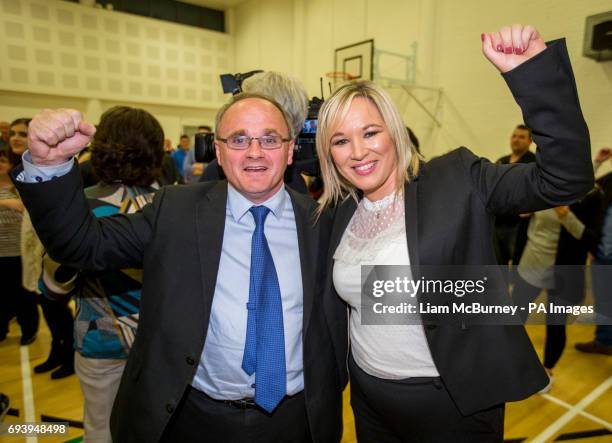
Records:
x=376, y=235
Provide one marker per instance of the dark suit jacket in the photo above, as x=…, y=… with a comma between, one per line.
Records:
x=520, y=223
x=177, y=240
x=450, y=208
x=572, y=252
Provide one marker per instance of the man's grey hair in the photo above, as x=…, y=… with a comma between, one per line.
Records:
x=286, y=91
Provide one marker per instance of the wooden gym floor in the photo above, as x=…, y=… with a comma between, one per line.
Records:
x=577, y=409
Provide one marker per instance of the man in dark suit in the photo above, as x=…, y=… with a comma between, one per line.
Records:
x=233, y=342
x=601, y=269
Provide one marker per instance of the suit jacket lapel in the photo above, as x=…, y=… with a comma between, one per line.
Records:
x=308, y=244
x=412, y=236
x=210, y=225
x=342, y=217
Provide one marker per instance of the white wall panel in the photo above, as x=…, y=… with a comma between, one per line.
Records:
x=61, y=48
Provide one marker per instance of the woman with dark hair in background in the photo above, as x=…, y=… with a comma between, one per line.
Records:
x=126, y=155
x=18, y=140
x=56, y=312
x=16, y=299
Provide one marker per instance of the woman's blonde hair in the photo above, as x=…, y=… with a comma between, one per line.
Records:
x=333, y=112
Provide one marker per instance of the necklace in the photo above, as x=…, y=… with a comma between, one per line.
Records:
x=378, y=206
x=374, y=217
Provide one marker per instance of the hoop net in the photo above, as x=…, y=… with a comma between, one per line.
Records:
x=338, y=78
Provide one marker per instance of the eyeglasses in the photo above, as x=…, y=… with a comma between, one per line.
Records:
x=242, y=142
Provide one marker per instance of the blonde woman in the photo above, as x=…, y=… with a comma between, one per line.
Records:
x=441, y=382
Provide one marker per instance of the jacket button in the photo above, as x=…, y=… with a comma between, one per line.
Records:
x=170, y=408
x=190, y=360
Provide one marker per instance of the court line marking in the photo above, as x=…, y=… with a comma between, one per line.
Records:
x=568, y=406
x=29, y=413
x=572, y=412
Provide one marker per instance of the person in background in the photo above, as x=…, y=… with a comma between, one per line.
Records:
x=601, y=267
x=17, y=299
x=126, y=154
x=558, y=241
x=57, y=314
x=181, y=153
x=511, y=230
x=53, y=300
x=171, y=174
x=192, y=169
x=4, y=137
x=18, y=140
x=5, y=404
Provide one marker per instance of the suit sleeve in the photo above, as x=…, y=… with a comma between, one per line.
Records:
x=545, y=89
x=72, y=235
x=591, y=212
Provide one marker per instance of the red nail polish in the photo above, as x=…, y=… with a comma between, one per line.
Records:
x=518, y=51
x=482, y=37
x=499, y=48
x=508, y=50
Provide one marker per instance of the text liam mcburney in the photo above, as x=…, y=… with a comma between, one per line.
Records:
x=478, y=308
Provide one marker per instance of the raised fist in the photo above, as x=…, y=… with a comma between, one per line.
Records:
x=57, y=135
x=512, y=46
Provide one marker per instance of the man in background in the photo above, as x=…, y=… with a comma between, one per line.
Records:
x=511, y=230
x=180, y=154
x=192, y=169
x=601, y=267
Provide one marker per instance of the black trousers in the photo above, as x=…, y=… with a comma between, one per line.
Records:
x=509, y=242
x=61, y=324
x=525, y=293
x=200, y=418
x=416, y=409
x=16, y=300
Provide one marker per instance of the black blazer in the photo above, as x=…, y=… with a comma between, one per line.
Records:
x=450, y=208
x=572, y=253
x=177, y=240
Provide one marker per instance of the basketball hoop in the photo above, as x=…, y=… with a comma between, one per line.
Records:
x=338, y=78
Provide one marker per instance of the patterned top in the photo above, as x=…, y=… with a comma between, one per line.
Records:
x=108, y=303
x=376, y=235
x=10, y=226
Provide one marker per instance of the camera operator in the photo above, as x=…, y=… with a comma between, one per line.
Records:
x=291, y=95
x=192, y=168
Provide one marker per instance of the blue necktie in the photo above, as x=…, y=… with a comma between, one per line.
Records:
x=264, y=350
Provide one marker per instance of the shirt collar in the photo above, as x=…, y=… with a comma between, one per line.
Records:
x=239, y=205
